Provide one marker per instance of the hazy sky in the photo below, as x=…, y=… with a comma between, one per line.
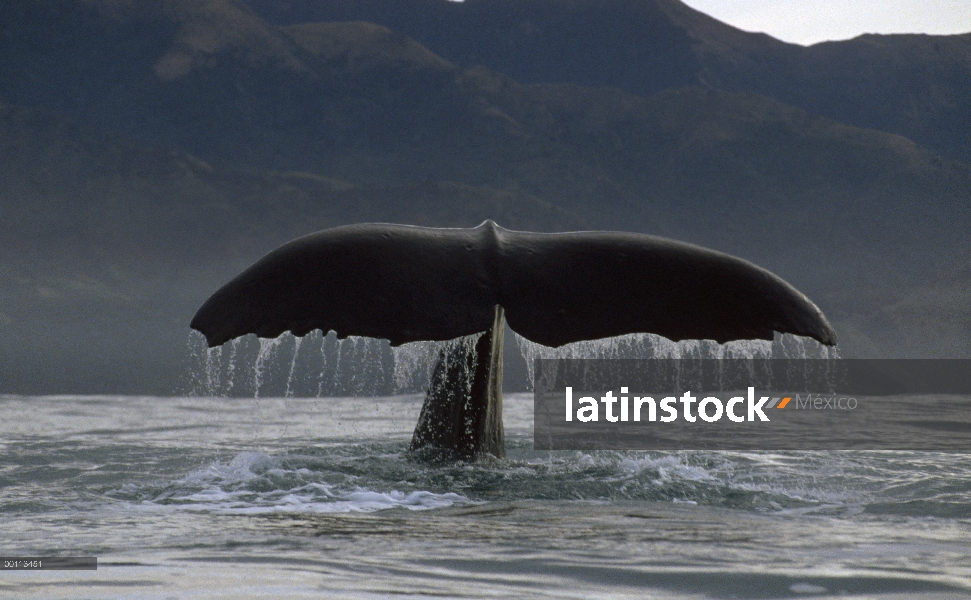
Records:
x=810, y=21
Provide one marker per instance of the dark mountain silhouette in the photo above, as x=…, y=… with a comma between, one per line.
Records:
x=361, y=103
x=916, y=85
x=150, y=151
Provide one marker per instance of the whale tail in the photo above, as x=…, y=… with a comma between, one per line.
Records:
x=408, y=283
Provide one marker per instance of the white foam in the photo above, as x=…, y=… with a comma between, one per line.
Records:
x=221, y=488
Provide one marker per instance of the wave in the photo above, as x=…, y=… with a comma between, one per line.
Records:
x=372, y=477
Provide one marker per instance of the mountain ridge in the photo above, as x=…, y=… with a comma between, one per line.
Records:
x=914, y=85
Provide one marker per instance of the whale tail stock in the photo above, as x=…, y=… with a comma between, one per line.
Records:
x=462, y=413
x=407, y=284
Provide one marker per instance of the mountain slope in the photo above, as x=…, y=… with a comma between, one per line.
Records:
x=364, y=104
x=914, y=85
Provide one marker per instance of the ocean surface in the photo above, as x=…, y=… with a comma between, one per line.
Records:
x=210, y=497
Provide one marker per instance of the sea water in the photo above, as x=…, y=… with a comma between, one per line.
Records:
x=316, y=497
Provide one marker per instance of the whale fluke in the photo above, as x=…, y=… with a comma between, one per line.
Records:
x=407, y=284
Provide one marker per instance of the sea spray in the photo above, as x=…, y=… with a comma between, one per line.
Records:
x=213, y=370
x=293, y=366
x=651, y=346
x=339, y=366
x=413, y=365
x=193, y=379
x=355, y=372
x=267, y=348
x=359, y=369
x=231, y=367
x=360, y=366
x=323, y=365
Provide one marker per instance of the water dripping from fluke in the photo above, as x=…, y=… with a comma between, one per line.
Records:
x=267, y=348
x=293, y=366
x=362, y=367
x=650, y=346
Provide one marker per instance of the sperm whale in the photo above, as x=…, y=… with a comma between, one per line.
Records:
x=407, y=283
